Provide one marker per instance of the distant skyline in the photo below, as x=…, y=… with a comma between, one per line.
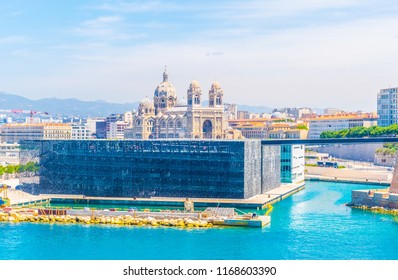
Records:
x=276, y=53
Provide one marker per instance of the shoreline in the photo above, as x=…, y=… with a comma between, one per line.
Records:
x=258, y=202
x=375, y=209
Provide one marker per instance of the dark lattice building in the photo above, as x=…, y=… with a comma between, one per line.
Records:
x=156, y=168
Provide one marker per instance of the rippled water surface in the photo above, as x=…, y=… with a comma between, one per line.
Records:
x=312, y=224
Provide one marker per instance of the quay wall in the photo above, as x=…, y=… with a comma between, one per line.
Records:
x=348, y=173
x=358, y=152
x=374, y=198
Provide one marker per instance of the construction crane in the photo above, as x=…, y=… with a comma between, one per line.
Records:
x=5, y=201
x=30, y=112
x=35, y=112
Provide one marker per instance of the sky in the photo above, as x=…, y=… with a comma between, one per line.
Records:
x=275, y=53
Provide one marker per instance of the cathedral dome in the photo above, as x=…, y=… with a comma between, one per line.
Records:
x=165, y=88
x=277, y=115
x=147, y=103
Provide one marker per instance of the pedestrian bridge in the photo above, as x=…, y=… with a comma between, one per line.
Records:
x=328, y=141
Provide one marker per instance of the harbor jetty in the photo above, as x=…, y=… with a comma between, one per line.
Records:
x=23, y=207
x=204, y=219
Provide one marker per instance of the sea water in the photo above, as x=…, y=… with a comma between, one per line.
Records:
x=311, y=224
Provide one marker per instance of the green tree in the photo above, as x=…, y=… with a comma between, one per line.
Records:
x=302, y=126
x=31, y=167
x=10, y=169
x=20, y=168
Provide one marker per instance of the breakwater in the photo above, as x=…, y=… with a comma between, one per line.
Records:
x=375, y=209
x=208, y=218
x=119, y=220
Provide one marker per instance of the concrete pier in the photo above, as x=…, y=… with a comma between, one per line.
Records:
x=256, y=202
x=21, y=198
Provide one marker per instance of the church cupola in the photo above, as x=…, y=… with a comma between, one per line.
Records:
x=194, y=94
x=216, y=95
x=165, y=94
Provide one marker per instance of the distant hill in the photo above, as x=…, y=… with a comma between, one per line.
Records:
x=70, y=106
x=75, y=107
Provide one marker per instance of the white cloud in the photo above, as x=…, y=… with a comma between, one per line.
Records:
x=13, y=40
x=143, y=6
x=239, y=9
x=105, y=28
x=330, y=64
x=102, y=21
x=316, y=66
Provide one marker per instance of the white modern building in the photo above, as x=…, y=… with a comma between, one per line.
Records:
x=9, y=153
x=339, y=122
x=81, y=132
x=292, y=163
x=116, y=130
x=95, y=125
x=387, y=106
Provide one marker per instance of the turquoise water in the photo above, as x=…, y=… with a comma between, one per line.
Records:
x=312, y=224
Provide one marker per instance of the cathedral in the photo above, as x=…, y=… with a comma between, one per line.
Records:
x=164, y=117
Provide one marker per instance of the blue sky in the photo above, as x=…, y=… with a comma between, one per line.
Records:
x=319, y=53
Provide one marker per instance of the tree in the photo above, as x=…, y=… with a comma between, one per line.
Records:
x=360, y=131
x=32, y=167
x=302, y=126
x=20, y=168
x=10, y=169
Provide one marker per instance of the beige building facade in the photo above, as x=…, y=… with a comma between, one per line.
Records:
x=13, y=133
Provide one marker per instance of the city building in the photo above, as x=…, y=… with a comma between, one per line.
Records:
x=231, y=110
x=339, y=121
x=100, y=130
x=116, y=130
x=251, y=128
x=93, y=124
x=14, y=133
x=81, y=132
x=163, y=117
x=270, y=128
x=286, y=131
x=333, y=111
x=9, y=153
x=387, y=106
x=296, y=113
x=128, y=118
x=241, y=115
x=292, y=163
x=384, y=159
x=115, y=126
x=156, y=168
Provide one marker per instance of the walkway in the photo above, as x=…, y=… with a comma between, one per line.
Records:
x=23, y=198
x=258, y=201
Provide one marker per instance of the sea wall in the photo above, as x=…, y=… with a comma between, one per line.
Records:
x=372, y=198
x=348, y=173
x=358, y=152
